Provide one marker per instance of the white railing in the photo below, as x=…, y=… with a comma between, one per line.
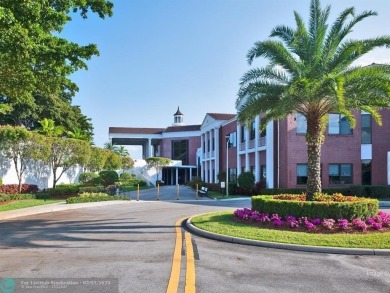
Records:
x=242, y=146
x=251, y=144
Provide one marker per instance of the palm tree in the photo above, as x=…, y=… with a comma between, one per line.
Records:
x=311, y=72
x=111, y=147
x=78, y=133
x=49, y=128
x=122, y=151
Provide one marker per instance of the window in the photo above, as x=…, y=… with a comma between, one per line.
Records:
x=253, y=170
x=366, y=129
x=338, y=124
x=204, y=146
x=180, y=151
x=366, y=172
x=301, y=174
x=213, y=144
x=301, y=123
x=340, y=173
x=233, y=139
x=263, y=172
x=253, y=131
x=232, y=174
x=242, y=134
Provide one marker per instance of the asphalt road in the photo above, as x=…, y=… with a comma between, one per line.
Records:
x=134, y=244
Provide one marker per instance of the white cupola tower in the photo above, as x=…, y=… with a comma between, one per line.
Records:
x=178, y=118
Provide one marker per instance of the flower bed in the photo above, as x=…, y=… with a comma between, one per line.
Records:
x=379, y=222
x=323, y=206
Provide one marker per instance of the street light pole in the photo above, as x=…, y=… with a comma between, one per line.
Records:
x=227, y=165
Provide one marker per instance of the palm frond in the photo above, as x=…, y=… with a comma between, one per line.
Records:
x=276, y=53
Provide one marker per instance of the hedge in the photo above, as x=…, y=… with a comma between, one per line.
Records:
x=274, y=191
x=313, y=209
x=95, y=189
x=78, y=199
x=7, y=197
x=375, y=191
x=63, y=190
x=14, y=188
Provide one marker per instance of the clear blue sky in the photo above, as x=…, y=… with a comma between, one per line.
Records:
x=156, y=55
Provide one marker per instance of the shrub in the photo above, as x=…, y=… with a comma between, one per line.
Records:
x=125, y=176
x=142, y=183
x=109, y=177
x=246, y=180
x=92, y=194
x=342, y=190
x=274, y=191
x=94, y=198
x=89, y=189
x=1, y=181
x=111, y=189
x=89, y=178
x=14, y=188
x=313, y=209
x=374, y=191
x=7, y=197
x=63, y=190
x=195, y=181
x=233, y=188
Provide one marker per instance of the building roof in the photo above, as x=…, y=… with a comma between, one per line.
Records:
x=178, y=112
x=135, y=130
x=221, y=116
x=182, y=128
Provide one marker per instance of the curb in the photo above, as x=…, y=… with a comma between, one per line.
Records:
x=285, y=246
x=55, y=207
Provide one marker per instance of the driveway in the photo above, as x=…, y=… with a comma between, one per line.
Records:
x=134, y=243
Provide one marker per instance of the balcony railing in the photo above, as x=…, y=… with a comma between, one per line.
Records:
x=242, y=146
x=252, y=144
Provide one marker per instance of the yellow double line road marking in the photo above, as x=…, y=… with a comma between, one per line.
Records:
x=173, y=284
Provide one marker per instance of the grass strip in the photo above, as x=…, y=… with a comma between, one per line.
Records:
x=20, y=204
x=222, y=223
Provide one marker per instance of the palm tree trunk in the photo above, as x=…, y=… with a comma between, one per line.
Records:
x=314, y=140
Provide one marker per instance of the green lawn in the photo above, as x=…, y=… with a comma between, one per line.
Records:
x=222, y=223
x=20, y=204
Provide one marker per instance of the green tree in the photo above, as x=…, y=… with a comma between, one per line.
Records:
x=113, y=161
x=157, y=163
x=22, y=147
x=97, y=159
x=66, y=153
x=311, y=72
x=122, y=151
x=111, y=147
x=28, y=112
x=127, y=163
x=34, y=58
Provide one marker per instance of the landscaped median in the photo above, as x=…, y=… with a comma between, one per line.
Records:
x=329, y=223
x=224, y=226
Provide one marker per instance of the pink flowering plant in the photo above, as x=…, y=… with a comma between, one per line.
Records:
x=379, y=222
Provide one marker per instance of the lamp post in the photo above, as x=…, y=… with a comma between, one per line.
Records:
x=227, y=164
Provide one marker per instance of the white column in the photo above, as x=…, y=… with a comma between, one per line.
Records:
x=177, y=175
x=270, y=155
x=247, y=167
x=238, y=149
x=206, y=166
x=257, y=153
x=216, y=153
x=149, y=148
